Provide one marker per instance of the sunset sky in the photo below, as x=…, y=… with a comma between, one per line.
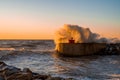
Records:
x=39, y=19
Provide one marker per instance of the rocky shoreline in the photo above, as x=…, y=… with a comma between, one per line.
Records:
x=13, y=73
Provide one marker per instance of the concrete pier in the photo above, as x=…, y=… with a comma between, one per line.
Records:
x=79, y=49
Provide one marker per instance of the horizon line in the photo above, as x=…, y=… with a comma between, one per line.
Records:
x=26, y=39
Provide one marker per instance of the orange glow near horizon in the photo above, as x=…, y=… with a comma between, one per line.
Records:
x=40, y=19
x=17, y=30
x=46, y=33
x=25, y=36
x=108, y=31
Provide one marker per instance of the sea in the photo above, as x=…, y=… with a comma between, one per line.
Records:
x=40, y=56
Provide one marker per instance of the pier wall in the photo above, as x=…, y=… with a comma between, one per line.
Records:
x=79, y=49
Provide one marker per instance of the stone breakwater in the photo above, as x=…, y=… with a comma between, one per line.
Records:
x=13, y=73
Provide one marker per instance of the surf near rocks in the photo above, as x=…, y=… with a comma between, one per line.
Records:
x=12, y=73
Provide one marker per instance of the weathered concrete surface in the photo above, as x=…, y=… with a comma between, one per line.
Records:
x=79, y=49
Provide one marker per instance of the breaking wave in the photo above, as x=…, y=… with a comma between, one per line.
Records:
x=80, y=35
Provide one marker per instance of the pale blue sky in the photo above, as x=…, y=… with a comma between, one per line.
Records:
x=99, y=15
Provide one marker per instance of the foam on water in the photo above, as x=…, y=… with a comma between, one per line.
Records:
x=90, y=67
x=44, y=61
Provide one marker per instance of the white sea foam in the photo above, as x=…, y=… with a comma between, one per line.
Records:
x=80, y=35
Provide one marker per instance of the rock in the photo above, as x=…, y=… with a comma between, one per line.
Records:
x=12, y=73
x=1, y=78
x=55, y=78
x=27, y=70
x=26, y=74
x=38, y=76
x=2, y=65
x=37, y=79
x=12, y=77
x=69, y=79
x=20, y=76
x=6, y=70
x=9, y=70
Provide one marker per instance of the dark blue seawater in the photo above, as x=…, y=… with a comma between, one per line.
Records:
x=39, y=56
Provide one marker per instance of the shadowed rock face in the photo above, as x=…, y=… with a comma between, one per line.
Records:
x=111, y=49
x=12, y=73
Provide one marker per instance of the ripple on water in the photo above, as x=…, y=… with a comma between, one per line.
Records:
x=86, y=67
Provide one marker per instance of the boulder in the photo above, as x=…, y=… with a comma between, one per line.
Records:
x=12, y=73
x=27, y=70
x=2, y=78
x=9, y=70
x=19, y=76
x=55, y=78
x=38, y=76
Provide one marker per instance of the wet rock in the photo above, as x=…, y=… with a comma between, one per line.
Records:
x=12, y=73
x=38, y=76
x=2, y=65
x=26, y=74
x=111, y=49
x=55, y=78
x=37, y=79
x=20, y=76
x=69, y=79
x=2, y=78
x=27, y=70
x=9, y=70
x=6, y=70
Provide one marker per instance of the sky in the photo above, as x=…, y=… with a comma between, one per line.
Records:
x=39, y=19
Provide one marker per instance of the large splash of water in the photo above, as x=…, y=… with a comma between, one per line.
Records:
x=80, y=35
